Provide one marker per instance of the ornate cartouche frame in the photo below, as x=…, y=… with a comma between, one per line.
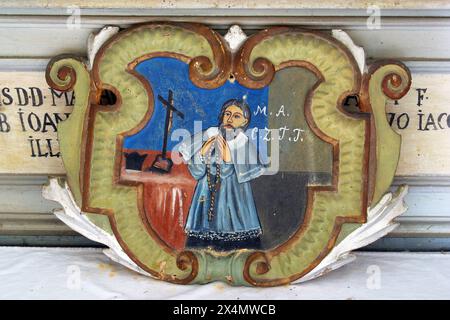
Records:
x=365, y=149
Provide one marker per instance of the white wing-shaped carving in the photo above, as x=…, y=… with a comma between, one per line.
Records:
x=380, y=221
x=72, y=216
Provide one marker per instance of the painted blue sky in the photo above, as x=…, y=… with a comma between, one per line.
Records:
x=197, y=104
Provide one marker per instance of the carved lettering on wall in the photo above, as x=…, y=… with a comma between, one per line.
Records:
x=422, y=117
x=29, y=114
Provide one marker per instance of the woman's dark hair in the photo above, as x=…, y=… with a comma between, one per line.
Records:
x=241, y=104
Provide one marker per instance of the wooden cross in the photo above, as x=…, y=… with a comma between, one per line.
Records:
x=163, y=164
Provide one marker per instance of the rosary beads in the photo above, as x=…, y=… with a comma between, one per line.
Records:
x=213, y=186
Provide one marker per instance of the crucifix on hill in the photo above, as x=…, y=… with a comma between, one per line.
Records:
x=162, y=163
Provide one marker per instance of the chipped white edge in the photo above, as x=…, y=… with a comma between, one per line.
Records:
x=380, y=221
x=358, y=52
x=97, y=40
x=75, y=219
x=235, y=37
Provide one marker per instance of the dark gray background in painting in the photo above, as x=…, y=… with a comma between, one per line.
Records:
x=281, y=198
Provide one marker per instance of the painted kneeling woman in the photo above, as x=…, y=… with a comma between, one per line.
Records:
x=223, y=214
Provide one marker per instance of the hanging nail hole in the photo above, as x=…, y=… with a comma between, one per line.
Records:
x=351, y=104
x=107, y=98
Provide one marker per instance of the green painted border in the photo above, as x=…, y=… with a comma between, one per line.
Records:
x=340, y=77
x=338, y=69
x=123, y=200
x=388, y=141
x=71, y=131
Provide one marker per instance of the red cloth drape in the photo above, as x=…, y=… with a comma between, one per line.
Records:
x=167, y=198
